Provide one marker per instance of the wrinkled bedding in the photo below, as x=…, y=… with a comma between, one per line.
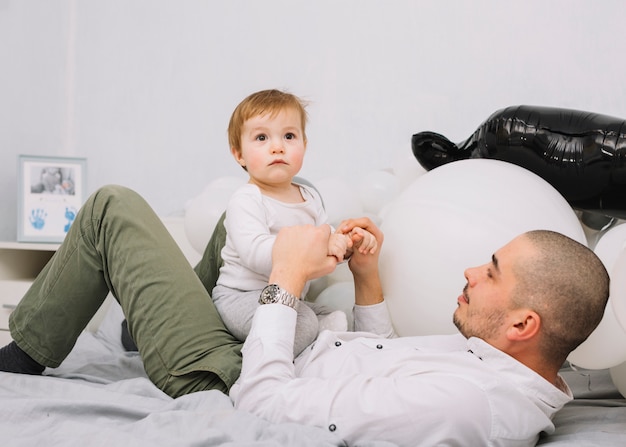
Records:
x=109, y=401
x=101, y=396
x=597, y=415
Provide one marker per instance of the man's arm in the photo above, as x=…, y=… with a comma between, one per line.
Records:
x=300, y=254
x=370, y=310
x=364, y=266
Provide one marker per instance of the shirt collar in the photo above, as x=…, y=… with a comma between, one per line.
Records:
x=528, y=381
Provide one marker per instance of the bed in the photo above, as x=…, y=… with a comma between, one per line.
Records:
x=101, y=395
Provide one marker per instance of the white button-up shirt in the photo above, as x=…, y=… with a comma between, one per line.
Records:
x=413, y=391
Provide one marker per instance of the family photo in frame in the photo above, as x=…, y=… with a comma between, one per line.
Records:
x=50, y=193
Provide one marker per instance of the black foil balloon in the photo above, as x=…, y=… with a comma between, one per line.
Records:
x=581, y=154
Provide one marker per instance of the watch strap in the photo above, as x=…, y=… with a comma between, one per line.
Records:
x=272, y=293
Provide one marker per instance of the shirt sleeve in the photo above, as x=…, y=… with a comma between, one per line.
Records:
x=407, y=409
x=374, y=318
x=249, y=233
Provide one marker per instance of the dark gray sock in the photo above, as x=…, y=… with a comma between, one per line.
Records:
x=127, y=340
x=13, y=359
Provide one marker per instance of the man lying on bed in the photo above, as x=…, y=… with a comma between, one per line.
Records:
x=520, y=315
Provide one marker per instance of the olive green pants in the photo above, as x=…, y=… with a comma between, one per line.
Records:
x=118, y=244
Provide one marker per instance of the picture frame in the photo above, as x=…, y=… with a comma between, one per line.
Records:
x=51, y=190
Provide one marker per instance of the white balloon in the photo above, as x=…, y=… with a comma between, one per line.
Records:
x=611, y=245
x=618, y=288
x=618, y=279
x=376, y=189
x=226, y=183
x=341, y=273
x=454, y=217
x=203, y=212
x=339, y=296
x=341, y=201
x=618, y=375
x=406, y=168
x=316, y=287
x=606, y=346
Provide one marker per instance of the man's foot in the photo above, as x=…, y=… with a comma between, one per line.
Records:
x=127, y=340
x=13, y=359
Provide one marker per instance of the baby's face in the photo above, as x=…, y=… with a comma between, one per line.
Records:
x=272, y=147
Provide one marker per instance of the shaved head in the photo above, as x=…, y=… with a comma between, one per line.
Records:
x=567, y=285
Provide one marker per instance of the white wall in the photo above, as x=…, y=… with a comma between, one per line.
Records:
x=144, y=88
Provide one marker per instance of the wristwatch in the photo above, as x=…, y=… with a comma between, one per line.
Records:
x=272, y=293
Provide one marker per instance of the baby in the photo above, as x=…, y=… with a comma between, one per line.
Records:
x=267, y=138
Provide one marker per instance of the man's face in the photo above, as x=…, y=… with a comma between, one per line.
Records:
x=483, y=307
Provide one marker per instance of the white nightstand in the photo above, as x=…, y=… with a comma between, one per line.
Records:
x=19, y=265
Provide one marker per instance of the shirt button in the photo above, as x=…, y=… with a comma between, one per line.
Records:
x=337, y=343
x=379, y=346
x=332, y=427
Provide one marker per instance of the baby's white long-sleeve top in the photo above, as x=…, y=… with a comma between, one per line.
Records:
x=252, y=222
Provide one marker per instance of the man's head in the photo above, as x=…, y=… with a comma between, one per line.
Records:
x=265, y=102
x=542, y=287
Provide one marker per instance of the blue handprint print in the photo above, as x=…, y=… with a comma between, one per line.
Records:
x=70, y=215
x=38, y=218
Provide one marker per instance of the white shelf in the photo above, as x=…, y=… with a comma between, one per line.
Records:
x=12, y=292
x=23, y=261
x=38, y=246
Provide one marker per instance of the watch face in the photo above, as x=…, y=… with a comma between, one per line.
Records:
x=274, y=294
x=269, y=293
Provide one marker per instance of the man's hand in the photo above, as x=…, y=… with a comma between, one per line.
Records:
x=300, y=253
x=364, y=266
x=362, y=231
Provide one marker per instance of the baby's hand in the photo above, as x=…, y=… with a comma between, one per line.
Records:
x=363, y=241
x=338, y=245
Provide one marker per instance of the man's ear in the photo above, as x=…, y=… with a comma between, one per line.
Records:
x=524, y=326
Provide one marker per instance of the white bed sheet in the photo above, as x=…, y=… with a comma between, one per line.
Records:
x=109, y=401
